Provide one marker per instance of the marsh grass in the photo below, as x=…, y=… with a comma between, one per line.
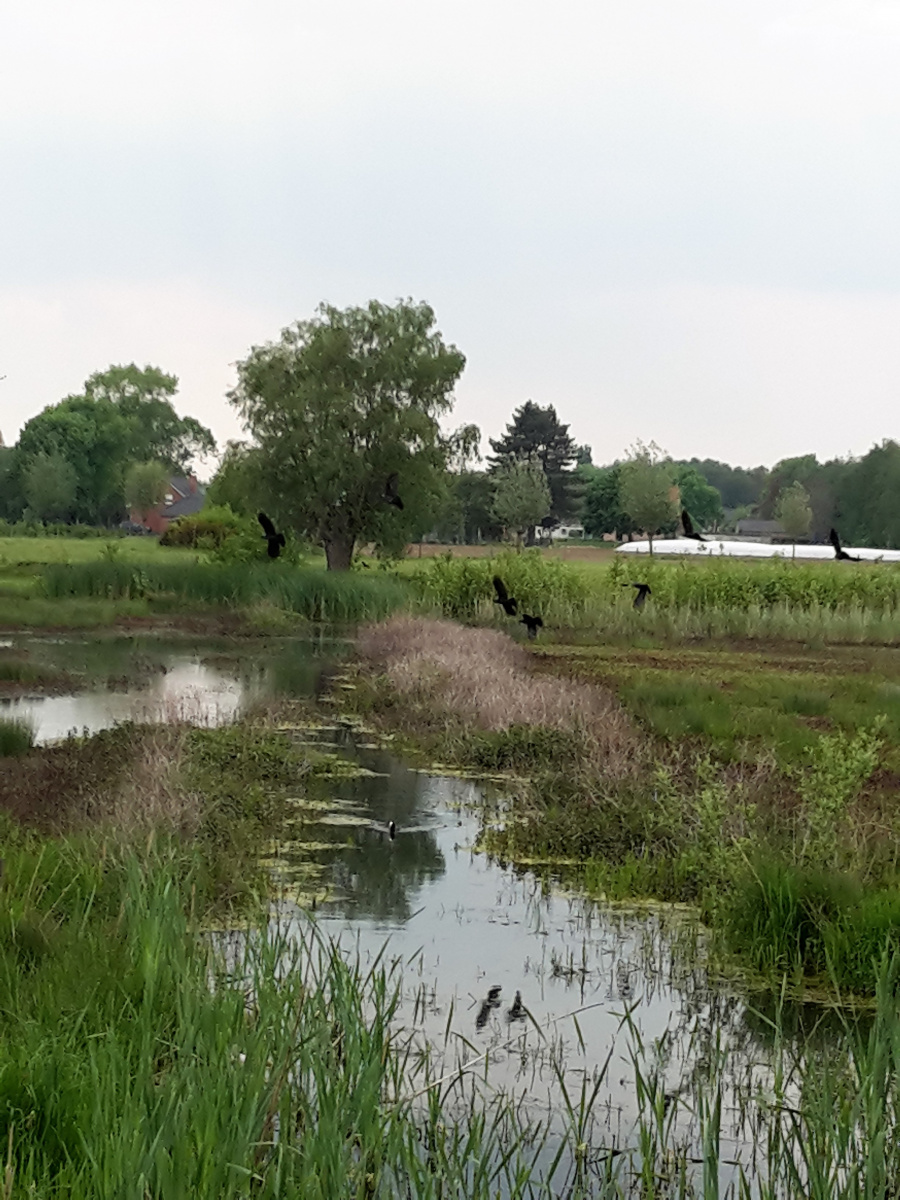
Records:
x=139, y=1058
x=308, y=592
x=16, y=737
x=484, y=680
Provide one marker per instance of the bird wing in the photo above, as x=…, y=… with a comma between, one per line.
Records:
x=268, y=527
x=686, y=522
x=644, y=589
x=835, y=540
x=500, y=589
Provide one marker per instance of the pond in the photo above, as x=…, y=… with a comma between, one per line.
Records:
x=500, y=970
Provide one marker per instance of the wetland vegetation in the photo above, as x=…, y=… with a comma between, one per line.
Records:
x=679, y=758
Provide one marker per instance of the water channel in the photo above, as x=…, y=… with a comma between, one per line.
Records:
x=459, y=923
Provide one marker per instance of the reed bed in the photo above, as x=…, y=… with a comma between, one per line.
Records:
x=16, y=737
x=310, y=593
x=483, y=678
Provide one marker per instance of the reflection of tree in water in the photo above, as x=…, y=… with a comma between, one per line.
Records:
x=371, y=875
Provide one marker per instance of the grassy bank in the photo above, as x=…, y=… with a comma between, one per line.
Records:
x=766, y=802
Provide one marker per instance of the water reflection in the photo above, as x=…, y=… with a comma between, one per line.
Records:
x=153, y=678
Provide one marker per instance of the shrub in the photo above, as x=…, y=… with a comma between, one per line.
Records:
x=16, y=737
x=206, y=530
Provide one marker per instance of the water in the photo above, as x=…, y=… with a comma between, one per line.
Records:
x=145, y=678
x=458, y=923
x=461, y=925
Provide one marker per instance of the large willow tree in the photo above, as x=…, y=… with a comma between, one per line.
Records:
x=338, y=405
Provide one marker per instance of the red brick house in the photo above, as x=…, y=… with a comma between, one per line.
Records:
x=184, y=497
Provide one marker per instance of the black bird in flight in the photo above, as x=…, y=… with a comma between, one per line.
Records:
x=392, y=830
x=390, y=492
x=532, y=624
x=689, y=527
x=275, y=540
x=840, y=553
x=508, y=603
x=643, y=591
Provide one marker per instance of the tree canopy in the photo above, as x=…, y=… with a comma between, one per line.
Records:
x=143, y=397
x=602, y=512
x=521, y=495
x=123, y=416
x=50, y=484
x=646, y=490
x=338, y=405
x=538, y=432
x=701, y=500
x=792, y=510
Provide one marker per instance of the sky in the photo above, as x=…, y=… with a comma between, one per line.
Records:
x=675, y=220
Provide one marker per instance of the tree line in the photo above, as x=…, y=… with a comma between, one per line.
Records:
x=351, y=398
x=95, y=454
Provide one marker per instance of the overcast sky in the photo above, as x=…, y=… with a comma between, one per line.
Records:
x=675, y=220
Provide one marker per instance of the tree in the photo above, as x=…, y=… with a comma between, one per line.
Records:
x=538, y=431
x=145, y=485
x=12, y=498
x=792, y=510
x=522, y=496
x=646, y=490
x=702, y=501
x=603, y=511
x=236, y=484
x=868, y=498
x=92, y=436
x=155, y=431
x=338, y=405
x=738, y=486
x=50, y=484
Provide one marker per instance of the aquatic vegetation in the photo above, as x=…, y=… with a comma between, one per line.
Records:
x=16, y=737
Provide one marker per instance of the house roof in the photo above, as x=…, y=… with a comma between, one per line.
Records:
x=180, y=483
x=187, y=506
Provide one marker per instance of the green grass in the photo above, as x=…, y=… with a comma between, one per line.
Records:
x=19, y=552
x=306, y=592
x=16, y=737
x=740, y=704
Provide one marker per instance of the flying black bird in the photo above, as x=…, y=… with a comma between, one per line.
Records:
x=643, y=591
x=532, y=624
x=838, y=552
x=390, y=492
x=392, y=830
x=689, y=528
x=275, y=540
x=508, y=603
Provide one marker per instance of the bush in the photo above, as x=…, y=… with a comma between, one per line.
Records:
x=207, y=530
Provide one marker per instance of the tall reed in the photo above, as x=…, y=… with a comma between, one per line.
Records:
x=310, y=593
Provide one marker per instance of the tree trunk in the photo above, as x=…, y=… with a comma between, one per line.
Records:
x=650, y=536
x=338, y=553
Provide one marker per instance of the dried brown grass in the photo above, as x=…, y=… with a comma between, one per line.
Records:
x=484, y=678
x=125, y=780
